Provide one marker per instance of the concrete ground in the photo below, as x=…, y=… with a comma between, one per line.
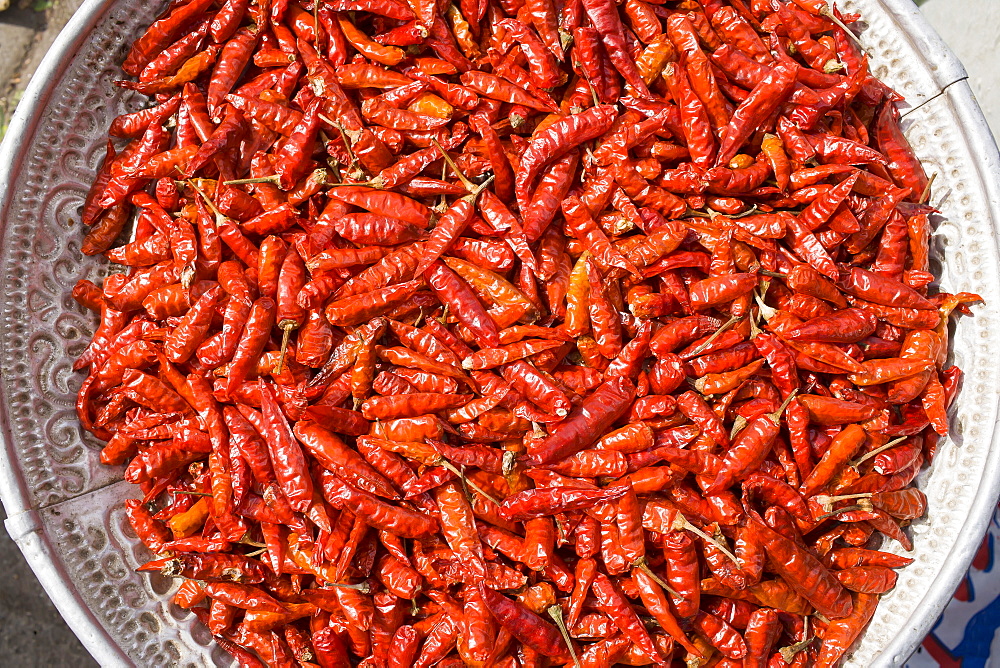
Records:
x=32, y=634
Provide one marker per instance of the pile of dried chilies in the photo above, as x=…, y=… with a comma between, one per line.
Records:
x=516, y=332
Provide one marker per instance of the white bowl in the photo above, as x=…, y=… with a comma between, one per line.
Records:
x=65, y=508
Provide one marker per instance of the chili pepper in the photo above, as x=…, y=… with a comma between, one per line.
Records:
x=160, y=34
x=604, y=16
x=557, y=140
x=695, y=409
x=216, y=567
x=868, y=579
x=384, y=203
x=721, y=635
x=532, y=441
x=235, y=55
x=844, y=445
x=243, y=596
x=585, y=425
x=882, y=290
x=684, y=37
x=902, y=164
x=495, y=88
x=382, y=516
x=550, y=193
x=693, y=116
x=289, y=462
x=748, y=450
x=614, y=604
x=841, y=633
x=554, y=500
x=251, y=344
x=848, y=557
x=807, y=576
x=523, y=624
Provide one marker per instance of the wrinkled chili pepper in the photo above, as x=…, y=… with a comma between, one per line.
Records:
x=440, y=303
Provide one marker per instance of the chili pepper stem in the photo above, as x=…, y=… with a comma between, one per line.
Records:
x=824, y=499
x=376, y=182
x=315, y=13
x=273, y=180
x=755, y=329
x=772, y=274
x=749, y=212
x=335, y=168
x=710, y=340
x=247, y=541
x=555, y=612
x=208, y=202
x=644, y=567
x=509, y=462
x=738, y=425
x=363, y=587
x=187, y=276
x=788, y=653
x=926, y=194
x=287, y=327
x=593, y=93
x=256, y=553
x=861, y=460
x=776, y=415
x=845, y=509
x=469, y=185
x=833, y=66
x=565, y=39
x=451, y=467
x=347, y=141
x=683, y=523
x=766, y=311
x=826, y=502
x=481, y=187
x=828, y=12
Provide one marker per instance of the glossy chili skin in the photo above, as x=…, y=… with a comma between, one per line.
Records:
x=523, y=624
x=586, y=425
x=442, y=327
x=805, y=573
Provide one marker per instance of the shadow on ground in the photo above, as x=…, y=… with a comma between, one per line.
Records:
x=32, y=634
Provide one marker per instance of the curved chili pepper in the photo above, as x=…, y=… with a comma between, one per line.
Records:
x=557, y=140
x=804, y=573
x=585, y=425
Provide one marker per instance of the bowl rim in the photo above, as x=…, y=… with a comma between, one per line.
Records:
x=23, y=522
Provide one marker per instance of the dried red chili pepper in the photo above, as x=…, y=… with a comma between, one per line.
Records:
x=612, y=241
